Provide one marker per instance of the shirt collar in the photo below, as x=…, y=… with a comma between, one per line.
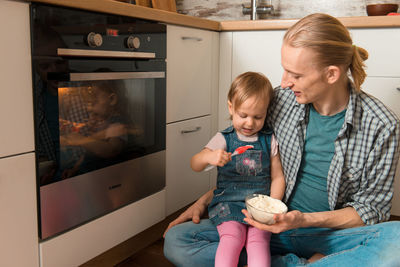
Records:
x=351, y=107
x=350, y=113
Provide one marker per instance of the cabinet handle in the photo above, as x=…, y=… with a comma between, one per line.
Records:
x=191, y=131
x=198, y=39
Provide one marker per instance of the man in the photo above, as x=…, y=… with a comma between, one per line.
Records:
x=339, y=150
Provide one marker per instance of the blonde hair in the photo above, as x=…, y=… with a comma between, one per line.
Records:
x=331, y=42
x=250, y=84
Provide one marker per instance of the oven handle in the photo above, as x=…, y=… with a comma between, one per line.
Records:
x=97, y=76
x=103, y=53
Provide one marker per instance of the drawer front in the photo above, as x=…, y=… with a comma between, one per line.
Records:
x=16, y=104
x=388, y=91
x=188, y=73
x=383, y=48
x=19, y=230
x=185, y=139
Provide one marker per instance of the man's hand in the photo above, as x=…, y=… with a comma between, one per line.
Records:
x=193, y=213
x=337, y=219
x=283, y=222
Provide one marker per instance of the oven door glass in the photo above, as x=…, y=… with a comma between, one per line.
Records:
x=95, y=120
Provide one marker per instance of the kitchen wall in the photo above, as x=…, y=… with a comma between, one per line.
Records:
x=283, y=9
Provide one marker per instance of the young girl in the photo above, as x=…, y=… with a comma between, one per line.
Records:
x=258, y=170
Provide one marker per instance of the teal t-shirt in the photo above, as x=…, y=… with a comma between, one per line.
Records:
x=310, y=194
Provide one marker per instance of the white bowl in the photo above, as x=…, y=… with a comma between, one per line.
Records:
x=262, y=208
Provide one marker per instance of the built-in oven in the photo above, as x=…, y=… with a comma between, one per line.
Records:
x=100, y=91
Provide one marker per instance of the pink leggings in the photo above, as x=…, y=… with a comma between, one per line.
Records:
x=233, y=236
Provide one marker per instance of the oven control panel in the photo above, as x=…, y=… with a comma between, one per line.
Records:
x=81, y=29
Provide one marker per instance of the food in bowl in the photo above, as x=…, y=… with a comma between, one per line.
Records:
x=381, y=9
x=262, y=208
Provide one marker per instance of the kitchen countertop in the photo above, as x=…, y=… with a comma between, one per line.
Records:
x=130, y=10
x=125, y=9
x=350, y=22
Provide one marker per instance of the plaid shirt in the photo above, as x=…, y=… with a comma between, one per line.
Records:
x=363, y=166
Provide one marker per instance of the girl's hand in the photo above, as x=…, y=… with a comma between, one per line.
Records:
x=283, y=222
x=219, y=157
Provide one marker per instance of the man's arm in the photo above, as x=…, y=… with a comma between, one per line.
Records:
x=339, y=219
x=362, y=209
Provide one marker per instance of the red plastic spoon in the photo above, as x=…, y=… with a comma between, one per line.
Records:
x=237, y=151
x=241, y=150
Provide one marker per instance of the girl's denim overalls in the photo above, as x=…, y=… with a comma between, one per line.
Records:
x=246, y=174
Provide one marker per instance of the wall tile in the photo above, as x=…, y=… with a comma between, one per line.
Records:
x=283, y=9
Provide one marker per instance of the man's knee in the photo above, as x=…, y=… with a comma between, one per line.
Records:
x=170, y=241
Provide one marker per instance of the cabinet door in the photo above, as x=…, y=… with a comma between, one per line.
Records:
x=383, y=48
x=16, y=104
x=19, y=244
x=189, y=77
x=388, y=91
x=184, y=139
x=258, y=51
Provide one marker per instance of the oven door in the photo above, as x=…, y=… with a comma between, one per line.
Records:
x=100, y=136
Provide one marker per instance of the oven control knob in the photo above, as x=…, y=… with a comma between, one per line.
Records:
x=94, y=39
x=133, y=42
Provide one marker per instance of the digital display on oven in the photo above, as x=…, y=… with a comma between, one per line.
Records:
x=112, y=32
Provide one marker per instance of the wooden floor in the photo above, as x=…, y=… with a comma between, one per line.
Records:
x=153, y=255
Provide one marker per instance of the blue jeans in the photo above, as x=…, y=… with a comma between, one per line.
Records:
x=190, y=244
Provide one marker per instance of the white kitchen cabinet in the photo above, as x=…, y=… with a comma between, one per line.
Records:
x=258, y=51
x=387, y=89
x=383, y=48
x=184, y=139
x=16, y=104
x=383, y=79
x=19, y=243
x=192, y=110
x=18, y=205
x=189, y=73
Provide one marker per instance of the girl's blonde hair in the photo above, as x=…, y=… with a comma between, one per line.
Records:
x=331, y=42
x=250, y=84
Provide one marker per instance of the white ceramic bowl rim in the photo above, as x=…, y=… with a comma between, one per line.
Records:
x=256, y=195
